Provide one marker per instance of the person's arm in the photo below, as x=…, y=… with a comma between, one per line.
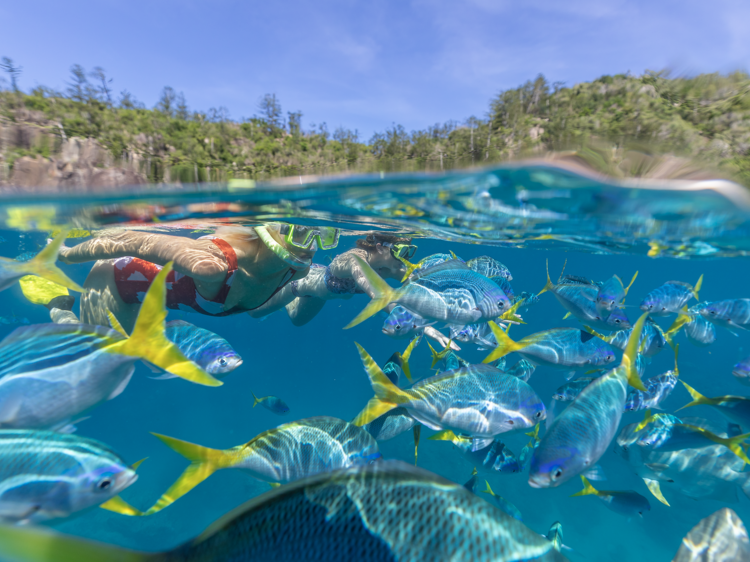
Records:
x=303, y=309
x=195, y=258
x=441, y=338
x=345, y=265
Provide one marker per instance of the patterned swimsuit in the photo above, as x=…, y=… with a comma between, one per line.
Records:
x=133, y=277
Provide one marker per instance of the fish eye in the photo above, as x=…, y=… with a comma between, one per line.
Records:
x=556, y=473
x=104, y=484
x=222, y=361
x=617, y=320
x=712, y=311
x=510, y=422
x=663, y=308
x=651, y=307
x=539, y=414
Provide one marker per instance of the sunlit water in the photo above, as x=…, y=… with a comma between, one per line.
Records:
x=521, y=216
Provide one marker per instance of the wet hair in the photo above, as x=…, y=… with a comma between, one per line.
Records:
x=375, y=238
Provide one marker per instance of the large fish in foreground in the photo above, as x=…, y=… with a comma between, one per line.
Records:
x=449, y=292
x=383, y=512
x=281, y=455
x=51, y=373
x=46, y=475
x=720, y=537
x=479, y=401
x=581, y=434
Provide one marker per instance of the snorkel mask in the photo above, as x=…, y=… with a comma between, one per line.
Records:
x=401, y=251
x=302, y=237
x=282, y=253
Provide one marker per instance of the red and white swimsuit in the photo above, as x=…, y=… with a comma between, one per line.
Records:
x=133, y=277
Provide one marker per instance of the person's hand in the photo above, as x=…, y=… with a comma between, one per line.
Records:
x=441, y=338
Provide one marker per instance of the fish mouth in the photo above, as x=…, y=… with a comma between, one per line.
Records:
x=536, y=481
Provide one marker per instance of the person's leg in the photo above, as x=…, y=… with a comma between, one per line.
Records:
x=303, y=309
x=101, y=295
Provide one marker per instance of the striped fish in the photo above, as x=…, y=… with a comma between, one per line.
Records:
x=46, y=475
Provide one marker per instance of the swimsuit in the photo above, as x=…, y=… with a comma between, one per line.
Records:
x=133, y=277
x=335, y=285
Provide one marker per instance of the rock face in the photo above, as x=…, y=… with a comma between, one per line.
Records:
x=81, y=163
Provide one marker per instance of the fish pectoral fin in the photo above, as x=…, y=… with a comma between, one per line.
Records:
x=655, y=489
x=479, y=443
x=595, y=473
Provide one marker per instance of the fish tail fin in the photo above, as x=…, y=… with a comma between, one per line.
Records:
x=676, y=353
x=119, y=505
x=597, y=334
x=697, y=397
x=417, y=432
x=410, y=267
x=549, y=283
x=255, y=398
x=630, y=284
x=115, y=324
x=631, y=352
x=384, y=293
x=505, y=345
x=37, y=544
x=489, y=489
x=444, y=435
x=387, y=394
x=149, y=341
x=697, y=288
x=511, y=315
x=435, y=355
x=588, y=489
x=203, y=463
x=406, y=355
x=734, y=444
x=567, y=315
x=43, y=265
x=647, y=419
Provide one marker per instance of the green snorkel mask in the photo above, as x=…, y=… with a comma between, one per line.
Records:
x=302, y=237
x=401, y=251
x=282, y=253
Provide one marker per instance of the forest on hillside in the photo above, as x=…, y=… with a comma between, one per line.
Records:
x=705, y=118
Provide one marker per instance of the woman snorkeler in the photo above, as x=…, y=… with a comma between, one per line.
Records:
x=238, y=270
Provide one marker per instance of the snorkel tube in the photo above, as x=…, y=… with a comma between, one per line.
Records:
x=282, y=253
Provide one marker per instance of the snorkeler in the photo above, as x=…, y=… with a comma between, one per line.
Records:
x=343, y=278
x=239, y=270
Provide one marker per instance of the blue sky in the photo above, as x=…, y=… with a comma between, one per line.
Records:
x=365, y=65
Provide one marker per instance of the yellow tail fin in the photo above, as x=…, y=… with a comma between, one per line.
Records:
x=505, y=345
x=567, y=315
x=734, y=444
x=417, y=432
x=676, y=353
x=149, y=342
x=119, y=505
x=647, y=419
x=631, y=352
x=204, y=462
x=697, y=287
x=410, y=267
x=39, y=290
x=384, y=294
x=255, y=398
x=406, y=355
x=602, y=337
x=37, y=544
x=446, y=435
x=115, y=324
x=488, y=490
x=549, y=285
x=43, y=265
x=588, y=489
x=387, y=394
x=630, y=284
x=439, y=356
x=698, y=398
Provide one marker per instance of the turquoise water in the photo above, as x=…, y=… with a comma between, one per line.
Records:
x=520, y=216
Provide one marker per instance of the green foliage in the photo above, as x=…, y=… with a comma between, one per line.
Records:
x=705, y=118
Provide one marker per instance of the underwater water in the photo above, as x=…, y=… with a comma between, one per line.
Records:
x=523, y=217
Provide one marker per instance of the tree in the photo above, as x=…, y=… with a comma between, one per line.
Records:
x=182, y=111
x=103, y=89
x=166, y=103
x=294, y=118
x=13, y=70
x=79, y=88
x=270, y=110
x=128, y=101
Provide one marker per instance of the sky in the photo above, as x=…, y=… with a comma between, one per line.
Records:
x=365, y=65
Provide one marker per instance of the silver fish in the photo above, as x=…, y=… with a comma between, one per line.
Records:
x=720, y=537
